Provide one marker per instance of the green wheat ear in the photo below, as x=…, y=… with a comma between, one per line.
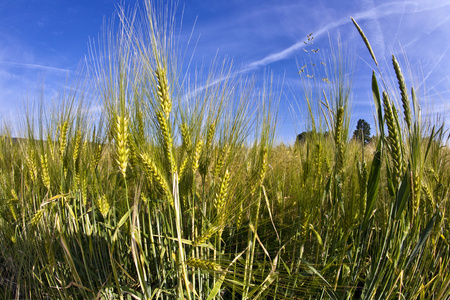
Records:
x=45, y=171
x=393, y=138
x=366, y=41
x=63, y=139
x=403, y=92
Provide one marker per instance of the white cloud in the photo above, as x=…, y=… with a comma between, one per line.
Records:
x=369, y=14
x=35, y=66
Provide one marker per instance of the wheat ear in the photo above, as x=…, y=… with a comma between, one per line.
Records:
x=45, y=171
x=167, y=137
x=63, y=139
x=203, y=264
x=96, y=158
x=209, y=233
x=183, y=166
x=186, y=138
x=220, y=199
x=221, y=160
x=366, y=41
x=76, y=149
x=163, y=91
x=122, y=143
x=393, y=138
x=403, y=92
x=210, y=135
x=11, y=206
x=103, y=206
x=37, y=217
x=196, y=158
x=417, y=187
x=153, y=172
x=30, y=159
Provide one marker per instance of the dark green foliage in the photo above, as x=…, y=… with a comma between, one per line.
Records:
x=362, y=132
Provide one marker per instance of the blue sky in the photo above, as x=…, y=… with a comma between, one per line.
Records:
x=43, y=42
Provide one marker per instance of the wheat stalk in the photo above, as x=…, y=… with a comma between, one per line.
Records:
x=49, y=251
x=122, y=143
x=186, y=138
x=96, y=158
x=163, y=91
x=167, y=137
x=339, y=124
x=30, y=159
x=45, y=171
x=63, y=139
x=37, y=217
x=11, y=206
x=338, y=139
x=84, y=191
x=428, y=194
x=263, y=165
x=203, y=264
x=393, y=138
x=210, y=134
x=183, y=166
x=366, y=41
x=318, y=157
x=196, y=157
x=50, y=145
x=260, y=171
x=403, y=92
x=220, y=199
x=223, y=155
x=76, y=149
x=362, y=179
x=417, y=187
x=103, y=206
x=240, y=217
x=153, y=172
x=217, y=227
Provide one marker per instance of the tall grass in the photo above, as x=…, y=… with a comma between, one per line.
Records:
x=176, y=190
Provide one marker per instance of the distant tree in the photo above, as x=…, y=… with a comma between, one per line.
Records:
x=306, y=135
x=362, y=131
x=301, y=138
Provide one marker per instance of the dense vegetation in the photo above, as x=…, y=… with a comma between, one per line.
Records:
x=177, y=190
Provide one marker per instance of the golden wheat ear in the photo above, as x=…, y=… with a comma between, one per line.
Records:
x=122, y=143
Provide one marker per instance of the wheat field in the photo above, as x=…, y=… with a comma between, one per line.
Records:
x=177, y=190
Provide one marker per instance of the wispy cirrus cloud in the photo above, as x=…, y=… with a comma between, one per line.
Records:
x=369, y=12
x=35, y=66
x=438, y=61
